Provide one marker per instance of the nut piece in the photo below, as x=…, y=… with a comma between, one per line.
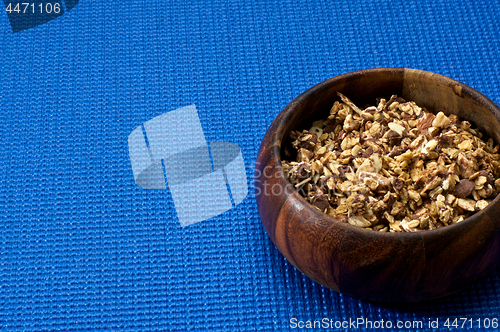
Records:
x=350, y=124
x=464, y=188
x=466, y=204
x=306, y=140
x=320, y=201
x=441, y=121
x=481, y=204
x=397, y=128
x=304, y=155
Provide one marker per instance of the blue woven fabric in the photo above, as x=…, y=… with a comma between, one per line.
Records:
x=83, y=248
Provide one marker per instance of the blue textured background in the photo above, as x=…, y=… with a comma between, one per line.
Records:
x=83, y=248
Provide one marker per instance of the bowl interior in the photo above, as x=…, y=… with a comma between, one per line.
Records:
x=428, y=90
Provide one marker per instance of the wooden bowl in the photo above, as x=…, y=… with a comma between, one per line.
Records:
x=376, y=266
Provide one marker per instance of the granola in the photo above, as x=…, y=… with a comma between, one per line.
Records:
x=393, y=167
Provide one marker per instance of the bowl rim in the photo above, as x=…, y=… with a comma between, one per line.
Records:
x=288, y=110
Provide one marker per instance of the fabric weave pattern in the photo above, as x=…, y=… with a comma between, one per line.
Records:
x=84, y=248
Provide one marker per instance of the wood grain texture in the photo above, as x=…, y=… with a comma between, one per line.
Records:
x=384, y=267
